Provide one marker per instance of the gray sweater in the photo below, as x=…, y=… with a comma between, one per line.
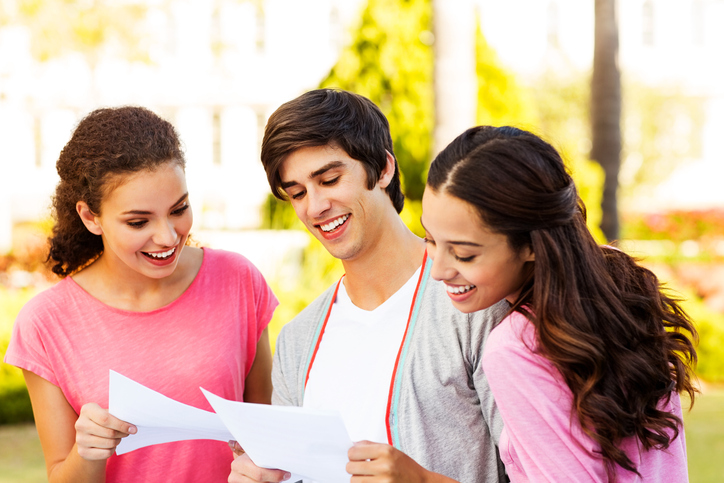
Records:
x=442, y=412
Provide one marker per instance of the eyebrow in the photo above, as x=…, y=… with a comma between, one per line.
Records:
x=314, y=174
x=456, y=243
x=141, y=212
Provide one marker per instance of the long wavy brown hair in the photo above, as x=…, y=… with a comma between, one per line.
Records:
x=620, y=341
x=107, y=142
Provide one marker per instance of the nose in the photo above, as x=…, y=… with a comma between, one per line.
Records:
x=317, y=204
x=441, y=268
x=165, y=235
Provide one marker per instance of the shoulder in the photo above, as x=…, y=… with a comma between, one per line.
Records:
x=515, y=332
x=50, y=300
x=512, y=348
x=225, y=265
x=308, y=319
x=47, y=311
x=225, y=259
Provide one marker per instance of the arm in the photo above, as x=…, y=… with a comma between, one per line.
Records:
x=375, y=462
x=258, y=386
x=75, y=447
x=545, y=439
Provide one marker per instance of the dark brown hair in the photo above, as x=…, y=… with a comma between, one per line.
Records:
x=620, y=342
x=336, y=118
x=107, y=142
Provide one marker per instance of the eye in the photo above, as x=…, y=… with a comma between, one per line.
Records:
x=136, y=224
x=429, y=241
x=464, y=259
x=180, y=211
x=297, y=196
x=330, y=182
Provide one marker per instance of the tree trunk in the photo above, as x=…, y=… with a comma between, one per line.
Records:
x=455, y=83
x=606, y=111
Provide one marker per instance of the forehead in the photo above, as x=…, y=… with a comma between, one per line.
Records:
x=144, y=186
x=305, y=162
x=447, y=217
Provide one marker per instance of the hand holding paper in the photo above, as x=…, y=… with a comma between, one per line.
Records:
x=310, y=444
x=159, y=419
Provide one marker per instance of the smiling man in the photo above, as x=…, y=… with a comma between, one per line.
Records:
x=383, y=346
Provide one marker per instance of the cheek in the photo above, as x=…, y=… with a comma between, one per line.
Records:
x=187, y=222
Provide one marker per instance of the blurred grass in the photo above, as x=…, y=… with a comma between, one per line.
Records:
x=704, y=426
x=21, y=458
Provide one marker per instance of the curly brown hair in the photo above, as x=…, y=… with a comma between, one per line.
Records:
x=621, y=343
x=107, y=142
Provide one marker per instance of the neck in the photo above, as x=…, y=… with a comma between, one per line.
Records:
x=375, y=276
x=118, y=286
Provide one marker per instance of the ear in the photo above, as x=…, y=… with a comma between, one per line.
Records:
x=389, y=172
x=527, y=255
x=89, y=219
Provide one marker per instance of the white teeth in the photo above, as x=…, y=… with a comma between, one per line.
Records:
x=458, y=289
x=162, y=254
x=334, y=223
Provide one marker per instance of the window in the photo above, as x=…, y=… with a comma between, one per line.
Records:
x=260, y=30
x=647, y=23
x=697, y=22
x=553, y=24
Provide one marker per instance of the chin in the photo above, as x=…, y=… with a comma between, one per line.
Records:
x=466, y=308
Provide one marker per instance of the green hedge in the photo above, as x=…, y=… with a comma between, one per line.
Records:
x=14, y=400
x=710, y=325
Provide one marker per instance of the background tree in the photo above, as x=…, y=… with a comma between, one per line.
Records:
x=606, y=111
x=390, y=61
x=454, y=78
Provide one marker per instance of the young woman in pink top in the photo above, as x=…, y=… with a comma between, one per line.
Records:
x=136, y=299
x=587, y=367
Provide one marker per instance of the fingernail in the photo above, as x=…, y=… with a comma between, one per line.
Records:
x=231, y=444
x=132, y=430
x=287, y=476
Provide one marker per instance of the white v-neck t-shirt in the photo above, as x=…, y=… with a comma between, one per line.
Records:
x=353, y=368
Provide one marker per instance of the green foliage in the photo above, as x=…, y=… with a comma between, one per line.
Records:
x=279, y=215
x=662, y=129
x=501, y=100
x=319, y=270
x=710, y=350
x=390, y=62
x=14, y=400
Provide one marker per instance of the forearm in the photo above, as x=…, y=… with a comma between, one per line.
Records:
x=438, y=478
x=76, y=469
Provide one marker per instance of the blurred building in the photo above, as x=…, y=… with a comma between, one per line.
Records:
x=217, y=69
x=666, y=44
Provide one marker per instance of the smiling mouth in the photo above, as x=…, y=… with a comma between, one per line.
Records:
x=161, y=255
x=333, y=225
x=459, y=289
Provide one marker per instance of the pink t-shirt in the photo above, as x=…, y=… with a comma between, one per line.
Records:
x=207, y=337
x=542, y=440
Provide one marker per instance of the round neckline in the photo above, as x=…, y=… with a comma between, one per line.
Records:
x=169, y=305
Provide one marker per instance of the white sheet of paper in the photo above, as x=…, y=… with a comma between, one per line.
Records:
x=308, y=443
x=159, y=419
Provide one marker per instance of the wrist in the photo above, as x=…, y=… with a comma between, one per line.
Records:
x=430, y=477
